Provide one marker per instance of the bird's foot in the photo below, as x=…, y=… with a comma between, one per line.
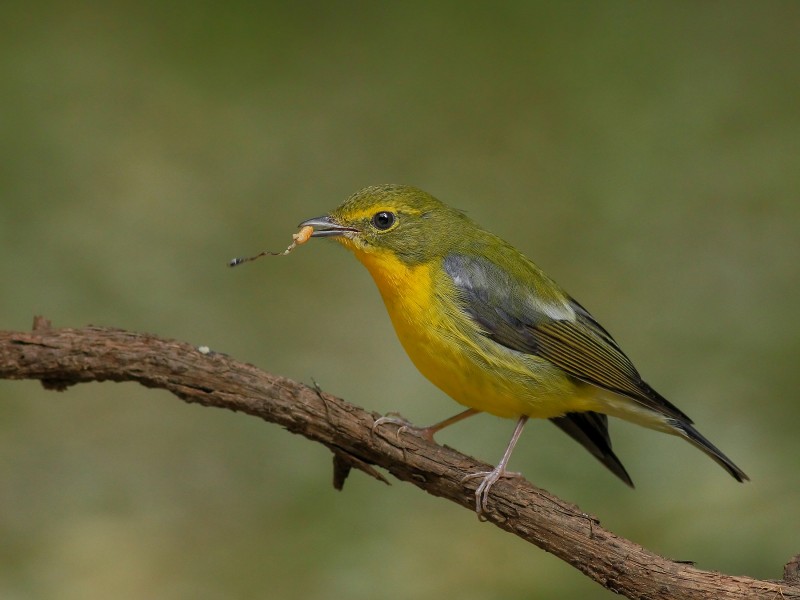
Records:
x=404, y=426
x=489, y=479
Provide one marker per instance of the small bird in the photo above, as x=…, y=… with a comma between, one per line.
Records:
x=490, y=329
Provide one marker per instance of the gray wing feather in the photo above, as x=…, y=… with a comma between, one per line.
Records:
x=528, y=317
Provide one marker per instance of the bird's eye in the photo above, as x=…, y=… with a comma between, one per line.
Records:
x=383, y=219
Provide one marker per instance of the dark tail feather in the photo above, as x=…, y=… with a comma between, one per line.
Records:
x=590, y=430
x=695, y=437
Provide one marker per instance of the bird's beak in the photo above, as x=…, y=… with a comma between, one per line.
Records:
x=327, y=227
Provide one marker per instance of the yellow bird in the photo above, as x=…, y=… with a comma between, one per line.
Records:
x=491, y=330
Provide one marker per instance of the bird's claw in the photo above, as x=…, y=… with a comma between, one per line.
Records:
x=404, y=426
x=394, y=419
x=482, y=491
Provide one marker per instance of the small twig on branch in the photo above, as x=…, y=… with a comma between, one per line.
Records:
x=60, y=358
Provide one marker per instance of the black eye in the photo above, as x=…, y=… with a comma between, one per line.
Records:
x=383, y=219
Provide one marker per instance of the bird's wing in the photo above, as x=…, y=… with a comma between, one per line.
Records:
x=527, y=316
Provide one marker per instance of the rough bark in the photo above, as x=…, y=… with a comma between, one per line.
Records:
x=60, y=358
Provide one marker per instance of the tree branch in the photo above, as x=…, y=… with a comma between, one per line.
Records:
x=60, y=358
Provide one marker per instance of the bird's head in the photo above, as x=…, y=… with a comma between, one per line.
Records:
x=392, y=220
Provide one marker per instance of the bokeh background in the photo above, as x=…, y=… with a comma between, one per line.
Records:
x=646, y=155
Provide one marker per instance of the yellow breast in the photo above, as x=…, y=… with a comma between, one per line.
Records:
x=448, y=348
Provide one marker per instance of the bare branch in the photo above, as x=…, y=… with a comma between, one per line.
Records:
x=60, y=358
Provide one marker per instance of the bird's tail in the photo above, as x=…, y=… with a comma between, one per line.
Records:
x=687, y=430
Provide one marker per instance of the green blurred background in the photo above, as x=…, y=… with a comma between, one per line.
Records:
x=645, y=155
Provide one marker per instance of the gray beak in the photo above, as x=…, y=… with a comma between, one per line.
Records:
x=326, y=227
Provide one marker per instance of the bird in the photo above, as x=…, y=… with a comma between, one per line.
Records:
x=490, y=329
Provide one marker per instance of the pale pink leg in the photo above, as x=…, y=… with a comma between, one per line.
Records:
x=425, y=432
x=499, y=472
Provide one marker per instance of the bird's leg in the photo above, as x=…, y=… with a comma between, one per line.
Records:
x=499, y=472
x=425, y=432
